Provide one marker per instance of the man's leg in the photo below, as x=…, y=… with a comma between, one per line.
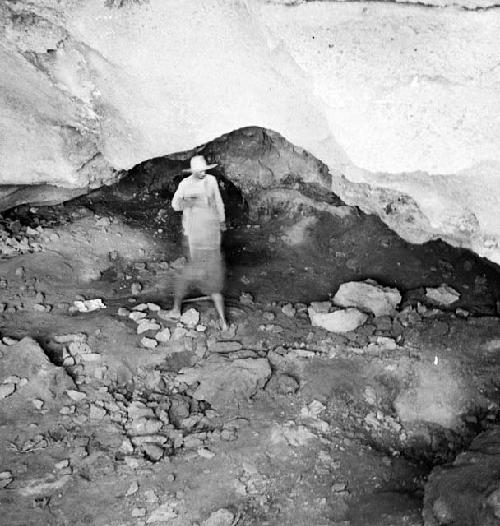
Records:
x=218, y=300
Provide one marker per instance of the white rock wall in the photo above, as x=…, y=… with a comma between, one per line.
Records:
x=369, y=88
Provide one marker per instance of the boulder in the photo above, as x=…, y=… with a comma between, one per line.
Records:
x=368, y=296
x=222, y=383
x=343, y=320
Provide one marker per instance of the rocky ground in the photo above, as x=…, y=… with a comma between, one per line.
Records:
x=331, y=400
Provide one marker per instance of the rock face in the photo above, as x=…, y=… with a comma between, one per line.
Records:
x=89, y=88
x=466, y=493
x=368, y=296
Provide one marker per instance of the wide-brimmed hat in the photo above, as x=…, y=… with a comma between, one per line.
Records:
x=198, y=164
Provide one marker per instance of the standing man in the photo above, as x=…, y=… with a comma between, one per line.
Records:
x=203, y=218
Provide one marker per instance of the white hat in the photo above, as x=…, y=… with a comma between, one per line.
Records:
x=198, y=164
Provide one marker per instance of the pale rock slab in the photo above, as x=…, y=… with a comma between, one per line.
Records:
x=368, y=296
x=343, y=320
x=443, y=295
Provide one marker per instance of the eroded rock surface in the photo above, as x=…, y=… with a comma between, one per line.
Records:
x=466, y=492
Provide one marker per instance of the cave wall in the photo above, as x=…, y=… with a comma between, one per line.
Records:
x=402, y=100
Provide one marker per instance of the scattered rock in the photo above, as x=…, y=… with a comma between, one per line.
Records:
x=38, y=404
x=443, y=295
x=343, y=320
x=137, y=316
x=190, y=318
x=246, y=298
x=222, y=517
x=163, y=514
x=224, y=346
x=147, y=325
x=153, y=451
x=149, y=343
x=368, y=296
x=269, y=316
x=288, y=310
x=320, y=306
x=5, y=479
x=89, y=305
x=205, y=453
x=76, y=396
x=135, y=289
x=132, y=490
x=122, y=311
x=223, y=383
x=6, y=390
x=163, y=335
x=68, y=338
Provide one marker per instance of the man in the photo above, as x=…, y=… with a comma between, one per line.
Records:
x=203, y=218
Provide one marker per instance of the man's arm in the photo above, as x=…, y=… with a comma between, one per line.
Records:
x=219, y=203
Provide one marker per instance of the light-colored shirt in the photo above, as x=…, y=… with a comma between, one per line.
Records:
x=200, y=221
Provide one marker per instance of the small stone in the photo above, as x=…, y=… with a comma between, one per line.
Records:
x=153, y=452
x=132, y=489
x=163, y=514
x=205, y=453
x=68, y=338
x=38, y=404
x=149, y=343
x=150, y=496
x=246, y=298
x=9, y=341
x=222, y=517
x=122, y=311
x=190, y=318
x=340, y=321
x=76, y=396
x=67, y=410
x=269, y=316
x=224, y=347
x=443, y=295
x=163, y=335
x=141, y=307
x=38, y=307
x=147, y=325
x=138, y=512
x=201, y=328
x=135, y=289
x=153, y=307
x=6, y=390
x=5, y=479
x=179, y=333
x=136, y=316
x=61, y=464
x=288, y=310
x=96, y=413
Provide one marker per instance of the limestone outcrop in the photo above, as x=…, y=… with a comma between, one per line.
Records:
x=385, y=96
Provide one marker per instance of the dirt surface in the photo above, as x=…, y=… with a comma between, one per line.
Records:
x=274, y=422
